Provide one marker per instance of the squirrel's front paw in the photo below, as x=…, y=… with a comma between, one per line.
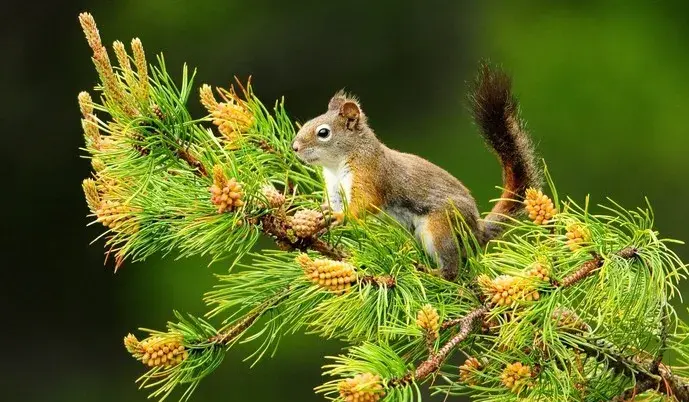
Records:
x=332, y=217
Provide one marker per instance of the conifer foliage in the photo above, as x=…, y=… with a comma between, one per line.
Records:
x=570, y=304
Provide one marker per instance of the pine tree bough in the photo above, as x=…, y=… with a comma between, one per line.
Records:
x=232, y=332
x=568, y=305
x=589, y=267
x=466, y=325
x=277, y=228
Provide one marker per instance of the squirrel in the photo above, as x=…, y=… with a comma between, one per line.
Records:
x=363, y=175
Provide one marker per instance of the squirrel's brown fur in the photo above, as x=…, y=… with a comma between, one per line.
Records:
x=362, y=174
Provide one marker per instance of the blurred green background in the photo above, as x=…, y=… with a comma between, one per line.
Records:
x=602, y=84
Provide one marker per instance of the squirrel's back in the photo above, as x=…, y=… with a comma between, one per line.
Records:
x=422, y=187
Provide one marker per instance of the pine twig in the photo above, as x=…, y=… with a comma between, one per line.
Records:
x=466, y=325
x=276, y=227
x=198, y=167
x=591, y=266
x=230, y=334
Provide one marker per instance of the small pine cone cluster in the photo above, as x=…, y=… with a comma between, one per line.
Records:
x=158, y=112
x=364, y=387
x=98, y=165
x=117, y=216
x=307, y=222
x=225, y=194
x=156, y=351
x=336, y=276
x=577, y=235
x=274, y=198
x=568, y=320
x=504, y=290
x=517, y=376
x=467, y=371
x=539, y=206
x=233, y=116
x=131, y=343
x=428, y=319
x=540, y=271
x=233, y=119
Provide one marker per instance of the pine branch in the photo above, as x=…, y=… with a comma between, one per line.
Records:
x=433, y=363
x=231, y=333
x=589, y=267
x=277, y=227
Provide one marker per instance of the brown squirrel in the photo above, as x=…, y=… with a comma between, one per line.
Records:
x=362, y=174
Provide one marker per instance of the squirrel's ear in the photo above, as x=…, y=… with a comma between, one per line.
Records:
x=351, y=112
x=337, y=100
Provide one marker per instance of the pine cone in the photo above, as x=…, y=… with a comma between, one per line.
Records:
x=85, y=104
x=504, y=290
x=233, y=116
x=98, y=165
x=568, y=320
x=274, y=198
x=131, y=343
x=225, y=194
x=365, y=387
x=577, y=235
x=117, y=216
x=540, y=271
x=306, y=223
x=539, y=206
x=427, y=319
x=517, y=376
x=467, y=371
x=156, y=351
x=336, y=276
x=158, y=112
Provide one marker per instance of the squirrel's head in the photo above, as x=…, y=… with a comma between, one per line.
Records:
x=330, y=138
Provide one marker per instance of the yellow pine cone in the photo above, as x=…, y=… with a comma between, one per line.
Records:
x=540, y=271
x=233, y=116
x=505, y=290
x=539, y=206
x=274, y=198
x=85, y=104
x=91, y=193
x=307, y=222
x=98, y=165
x=336, y=276
x=517, y=376
x=427, y=319
x=365, y=387
x=467, y=371
x=577, y=235
x=156, y=351
x=117, y=216
x=225, y=194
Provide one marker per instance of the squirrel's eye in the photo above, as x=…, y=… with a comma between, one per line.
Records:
x=323, y=132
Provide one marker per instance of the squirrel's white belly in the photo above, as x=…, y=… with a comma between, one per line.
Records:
x=338, y=184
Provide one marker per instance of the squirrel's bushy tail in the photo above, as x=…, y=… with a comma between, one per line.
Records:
x=496, y=112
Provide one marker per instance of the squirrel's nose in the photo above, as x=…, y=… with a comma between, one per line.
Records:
x=295, y=146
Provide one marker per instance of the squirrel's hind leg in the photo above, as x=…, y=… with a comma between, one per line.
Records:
x=435, y=233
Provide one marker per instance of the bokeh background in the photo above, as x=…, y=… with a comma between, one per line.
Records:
x=603, y=86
